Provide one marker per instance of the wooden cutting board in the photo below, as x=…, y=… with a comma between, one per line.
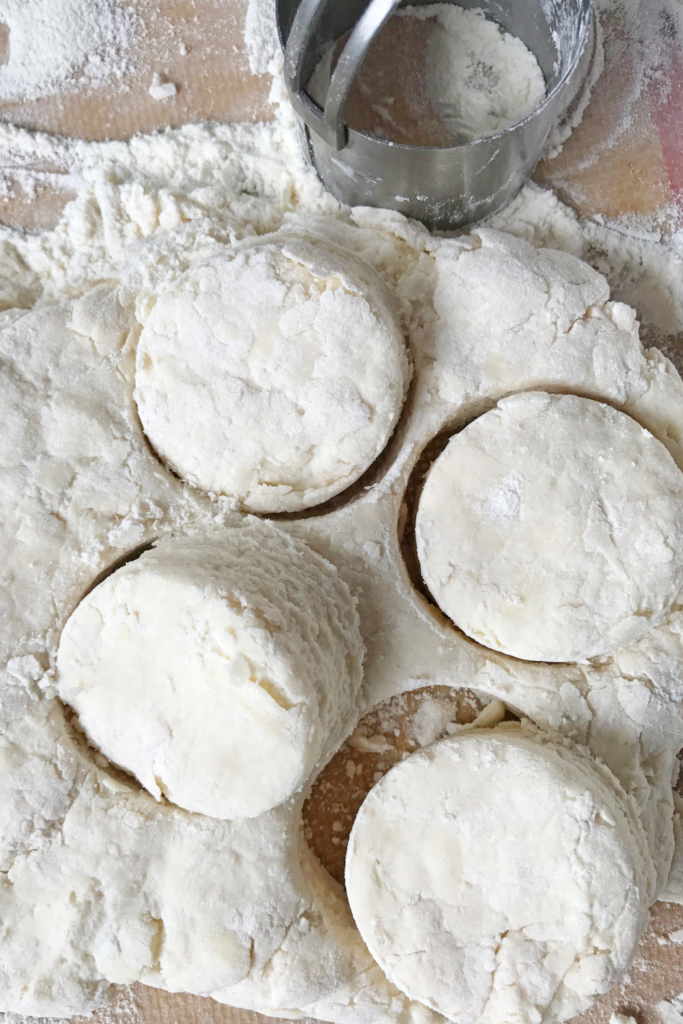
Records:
x=198, y=45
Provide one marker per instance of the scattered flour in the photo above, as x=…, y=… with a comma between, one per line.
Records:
x=643, y=40
x=125, y=1009
x=644, y=266
x=58, y=46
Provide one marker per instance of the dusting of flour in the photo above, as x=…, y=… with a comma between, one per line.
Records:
x=480, y=79
x=58, y=46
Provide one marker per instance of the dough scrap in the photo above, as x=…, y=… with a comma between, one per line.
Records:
x=218, y=672
x=511, y=317
x=499, y=876
x=551, y=529
x=273, y=374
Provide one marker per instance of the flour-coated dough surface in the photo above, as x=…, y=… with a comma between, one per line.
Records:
x=217, y=673
x=109, y=886
x=273, y=374
x=551, y=528
x=497, y=876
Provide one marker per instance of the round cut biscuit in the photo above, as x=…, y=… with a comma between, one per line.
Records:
x=274, y=375
x=551, y=528
x=217, y=672
x=497, y=877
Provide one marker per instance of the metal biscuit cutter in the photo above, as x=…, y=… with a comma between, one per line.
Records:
x=445, y=187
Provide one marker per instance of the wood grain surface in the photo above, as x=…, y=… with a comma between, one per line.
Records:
x=198, y=44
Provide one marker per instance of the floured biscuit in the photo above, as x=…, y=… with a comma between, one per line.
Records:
x=498, y=877
x=216, y=671
x=274, y=375
x=551, y=528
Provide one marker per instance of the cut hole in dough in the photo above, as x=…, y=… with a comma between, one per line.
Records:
x=274, y=375
x=497, y=876
x=551, y=528
x=216, y=670
x=394, y=728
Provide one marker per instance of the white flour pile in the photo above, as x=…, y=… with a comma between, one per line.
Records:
x=58, y=46
x=104, y=886
x=480, y=79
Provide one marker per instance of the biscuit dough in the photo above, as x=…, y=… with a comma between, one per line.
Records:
x=499, y=876
x=217, y=673
x=512, y=317
x=105, y=886
x=286, y=363
x=102, y=885
x=551, y=528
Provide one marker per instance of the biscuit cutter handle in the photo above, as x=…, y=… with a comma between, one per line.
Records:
x=329, y=123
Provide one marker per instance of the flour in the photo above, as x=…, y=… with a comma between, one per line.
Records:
x=160, y=90
x=125, y=1010
x=260, y=36
x=671, y=1010
x=504, y=501
x=641, y=256
x=642, y=40
x=644, y=267
x=480, y=79
x=58, y=46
